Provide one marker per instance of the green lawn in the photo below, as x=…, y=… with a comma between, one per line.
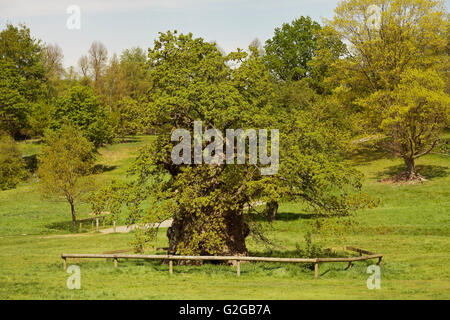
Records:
x=411, y=226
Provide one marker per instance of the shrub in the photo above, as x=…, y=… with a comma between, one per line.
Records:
x=12, y=166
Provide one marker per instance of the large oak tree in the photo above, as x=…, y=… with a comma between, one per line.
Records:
x=213, y=206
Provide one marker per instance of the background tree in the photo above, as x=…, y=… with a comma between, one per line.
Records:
x=17, y=45
x=114, y=87
x=291, y=48
x=23, y=80
x=127, y=117
x=135, y=70
x=84, y=110
x=14, y=112
x=416, y=117
x=329, y=49
x=256, y=43
x=65, y=163
x=40, y=118
x=53, y=63
x=12, y=166
x=53, y=59
x=98, y=58
x=412, y=36
x=83, y=64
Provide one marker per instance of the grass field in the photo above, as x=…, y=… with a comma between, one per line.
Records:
x=411, y=227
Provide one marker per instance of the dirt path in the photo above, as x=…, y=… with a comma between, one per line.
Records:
x=126, y=229
x=119, y=229
x=67, y=235
x=164, y=224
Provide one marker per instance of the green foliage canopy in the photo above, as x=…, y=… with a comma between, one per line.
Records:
x=291, y=48
x=23, y=82
x=12, y=166
x=65, y=162
x=213, y=205
x=377, y=77
x=83, y=109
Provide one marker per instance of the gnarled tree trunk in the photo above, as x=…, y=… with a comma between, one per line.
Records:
x=234, y=233
x=410, y=168
x=272, y=210
x=72, y=211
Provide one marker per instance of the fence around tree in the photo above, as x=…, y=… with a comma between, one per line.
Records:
x=363, y=255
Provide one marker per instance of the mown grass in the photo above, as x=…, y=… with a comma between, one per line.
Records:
x=24, y=210
x=411, y=227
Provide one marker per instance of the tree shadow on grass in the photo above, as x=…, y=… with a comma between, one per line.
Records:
x=298, y=254
x=430, y=172
x=273, y=253
x=128, y=140
x=101, y=168
x=366, y=155
x=63, y=226
x=289, y=216
x=31, y=162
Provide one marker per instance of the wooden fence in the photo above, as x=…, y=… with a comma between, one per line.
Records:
x=94, y=219
x=238, y=260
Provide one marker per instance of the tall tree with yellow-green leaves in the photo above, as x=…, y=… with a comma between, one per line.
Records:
x=394, y=74
x=66, y=160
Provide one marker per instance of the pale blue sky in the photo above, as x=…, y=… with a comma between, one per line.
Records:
x=122, y=24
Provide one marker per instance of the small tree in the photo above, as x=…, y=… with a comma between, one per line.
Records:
x=12, y=167
x=66, y=161
x=417, y=116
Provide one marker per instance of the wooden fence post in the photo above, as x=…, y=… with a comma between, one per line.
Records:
x=81, y=226
x=114, y=226
x=104, y=221
x=238, y=268
x=171, y=258
x=96, y=224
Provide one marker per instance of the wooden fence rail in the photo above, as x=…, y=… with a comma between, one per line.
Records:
x=237, y=259
x=94, y=219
